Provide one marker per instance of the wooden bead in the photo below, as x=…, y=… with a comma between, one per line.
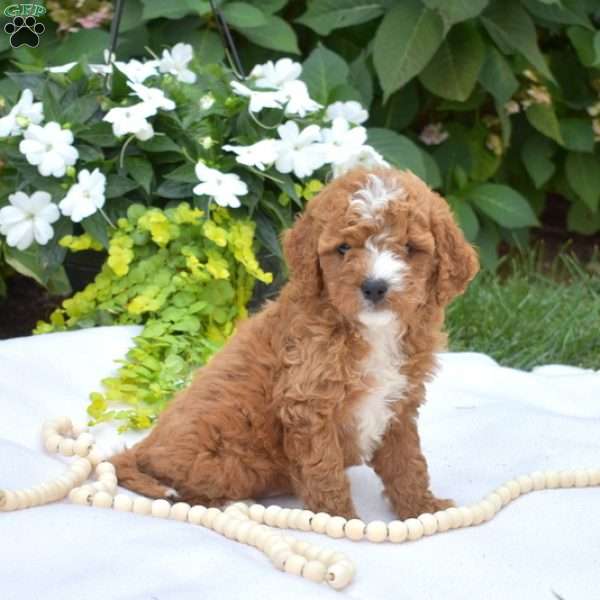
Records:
x=243, y=531
x=495, y=500
x=300, y=547
x=80, y=496
x=489, y=510
x=539, y=481
x=567, y=478
x=429, y=523
x=594, y=475
x=102, y=500
x=312, y=552
x=37, y=495
x=66, y=447
x=280, y=557
x=582, y=479
x=339, y=575
x=397, y=531
x=514, y=488
x=95, y=456
x=319, y=522
x=63, y=424
x=455, y=517
x=8, y=500
x=82, y=448
x=270, y=515
x=504, y=494
x=293, y=518
x=443, y=520
x=337, y=557
x=257, y=513
x=231, y=528
x=242, y=507
x=142, y=506
x=552, y=479
x=415, y=529
x=100, y=486
x=273, y=545
x=335, y=527
x=195, y=513
x=281, y=520
x=303, y=522
x=376, y=531
x=477, y=512
x=22, y=499
x=160, y=508
x=79, y=429
x=123, y=503
x=52, y=443
x=525, y=484
x=326, y=555
x=179, y=511
x=467, y=516
x=355, y=529
x=314, y=570
x=295, y=564
x=261, y=534
x=219, y=522
x=105, y=468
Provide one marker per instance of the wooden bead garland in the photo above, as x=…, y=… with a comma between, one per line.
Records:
x=252, y=525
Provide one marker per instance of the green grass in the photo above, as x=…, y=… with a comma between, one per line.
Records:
x=532, y=316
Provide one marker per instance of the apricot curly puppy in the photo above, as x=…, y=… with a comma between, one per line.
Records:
x=332, y=373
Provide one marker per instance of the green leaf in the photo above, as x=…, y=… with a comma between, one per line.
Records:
x=565, y=12
x=497, y=77
x=270, y=6
x=453, y=70
x=466, y=217
x=173, y=9
x=140, y=170
x=58, y=283
x=433, y=175
x=117, y=185
x=398, y=150
x=241, y=14
x=208, y=47
x=503, y=205
x=82, y=109
x=543, y=118
x=509, y=24
x=577, y=134
x=323, y=16
x=487, y=243
x=26, y=262
x=99, y=134
x=276, y=35
x=582, y=220
x=583, y=174
x=267, y=235
x=184, y=174
x=405, y=41
x=89, y=43
x=159, y=143
x=536, y=154
x=132, y=15
x=586, y=44
x=175, y=189
x=455, y=11
x=322, y=71
x=89, y=153
x=97, y=227
x=360, y=77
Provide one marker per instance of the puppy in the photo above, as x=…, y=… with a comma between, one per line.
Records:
x=332, y=373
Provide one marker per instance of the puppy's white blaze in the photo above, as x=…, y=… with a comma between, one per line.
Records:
x=382, y=366
x=375, y=196
x=386, y=265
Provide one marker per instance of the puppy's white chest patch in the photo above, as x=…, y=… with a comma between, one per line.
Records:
x=382, y=366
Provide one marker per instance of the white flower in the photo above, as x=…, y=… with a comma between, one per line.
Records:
x=61, y=68
x=299, y=151
x=176, y=61
x=132, y=119
x=258, y=100
x=50, y=148
x=136, y=71
x=154, y=97
x=512, y=107
x=259, y=155
x=223, y=187
x=274, y=75
x=433, y=134
x=343, y=141
x=28, y=218
x=298, y=100
x=22, y=114
x=207, y=101
x=86, y=196
x=365, y=156
x=352, y=111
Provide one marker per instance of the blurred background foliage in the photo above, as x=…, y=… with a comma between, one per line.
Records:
x=494, y=102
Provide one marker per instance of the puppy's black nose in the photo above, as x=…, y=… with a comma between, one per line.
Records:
x=374, y=290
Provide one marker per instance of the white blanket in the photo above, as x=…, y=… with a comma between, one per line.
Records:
x=482, y=425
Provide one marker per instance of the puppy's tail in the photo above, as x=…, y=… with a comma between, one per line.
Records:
x=130, y=476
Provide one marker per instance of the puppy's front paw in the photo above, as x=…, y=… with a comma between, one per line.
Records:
x=413, y=507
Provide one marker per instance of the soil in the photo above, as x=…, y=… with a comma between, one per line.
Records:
x=27, y=302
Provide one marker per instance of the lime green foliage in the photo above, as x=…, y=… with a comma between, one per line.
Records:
x=187, y=278
x=532, y=317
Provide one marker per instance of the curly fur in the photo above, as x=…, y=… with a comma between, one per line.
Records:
x=320, y=379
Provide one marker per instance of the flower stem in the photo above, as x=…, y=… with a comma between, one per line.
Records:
x=122, y=154
x=107, y=218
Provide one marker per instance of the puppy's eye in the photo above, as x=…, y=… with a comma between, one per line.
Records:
x=343, y=248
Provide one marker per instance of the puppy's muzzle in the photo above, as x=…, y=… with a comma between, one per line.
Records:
x=374, y=290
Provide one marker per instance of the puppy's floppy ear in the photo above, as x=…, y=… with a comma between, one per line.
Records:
x=300, y=248
x=457, y=261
